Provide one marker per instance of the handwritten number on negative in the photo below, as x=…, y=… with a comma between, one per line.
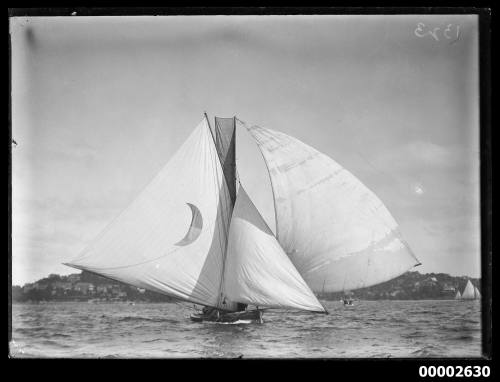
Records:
x=422, y=30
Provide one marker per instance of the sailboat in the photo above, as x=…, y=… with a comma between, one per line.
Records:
x=477, y=295
x=458, y=296
x=470, y=292
x=194, y=233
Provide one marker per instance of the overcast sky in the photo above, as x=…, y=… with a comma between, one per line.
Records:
x=100, y=104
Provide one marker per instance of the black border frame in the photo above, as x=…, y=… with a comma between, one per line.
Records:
x=485, y=74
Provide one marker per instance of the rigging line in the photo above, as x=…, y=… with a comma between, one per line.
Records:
x=217, y=192
x=225, y=195
x=220, y=186
x=213, y=164
x=217, y=201
x=225, y=223
x=209, y=127
x=226, y=219
x=218, y=132
x=225, y=190
x=235, y=160
x=229, y=199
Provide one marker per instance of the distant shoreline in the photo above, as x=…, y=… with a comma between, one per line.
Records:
x=90, y=288
x=176, y=302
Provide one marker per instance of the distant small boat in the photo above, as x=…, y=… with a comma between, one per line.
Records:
x=347, y=298
x=458, y=296
x=347, y=301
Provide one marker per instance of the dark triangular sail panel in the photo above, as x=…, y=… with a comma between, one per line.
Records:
x=225, y=143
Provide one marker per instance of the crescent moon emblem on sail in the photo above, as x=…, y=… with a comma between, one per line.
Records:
x=195, y=227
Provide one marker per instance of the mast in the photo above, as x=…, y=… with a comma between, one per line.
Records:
x=209, y=127
x=225, y=143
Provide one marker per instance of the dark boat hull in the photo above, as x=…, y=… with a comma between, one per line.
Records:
x=253, y=316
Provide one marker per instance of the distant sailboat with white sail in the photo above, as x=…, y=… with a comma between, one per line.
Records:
x=477, y=295
x=458, y=296
x=194, y=234
x=470, y=292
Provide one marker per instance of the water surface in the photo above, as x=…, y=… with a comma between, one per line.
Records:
x=368, y=329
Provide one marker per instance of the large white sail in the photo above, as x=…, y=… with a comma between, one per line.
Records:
x=258, y=271
x=468, y=293
x=172, y=238
x=337, y=233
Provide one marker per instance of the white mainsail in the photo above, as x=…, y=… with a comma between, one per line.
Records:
x=336, y=232
x=468, y=293
x=180, y=236
x=172, y=238
x=258, y=271
x=477, y=294
x=458, y=296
